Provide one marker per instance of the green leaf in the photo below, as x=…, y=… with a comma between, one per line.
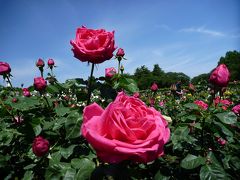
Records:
x=191, y=106
x=30, y=166
x=76, y=163
x=59, y=123
x=227, y=117
x=61, y=111
x=192, y=161
x=66, y=152
x=28, y=175
x=223, y=129
x=213, y=172
x=37, y=130
x=70, y=174
x=73, y=124
x=191, y=117
x=85, y=170
x=159, y=176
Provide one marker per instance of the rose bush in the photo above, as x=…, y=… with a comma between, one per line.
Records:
x=95, y=46
x=126, y=130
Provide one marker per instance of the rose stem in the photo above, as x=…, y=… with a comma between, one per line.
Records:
x=90, y=85
x=8, y=80
x=119, y=65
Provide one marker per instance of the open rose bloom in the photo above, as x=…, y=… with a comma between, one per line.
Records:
x=126, y=130
x=95, y=46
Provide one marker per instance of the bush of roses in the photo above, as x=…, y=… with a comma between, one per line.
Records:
x=49, y=131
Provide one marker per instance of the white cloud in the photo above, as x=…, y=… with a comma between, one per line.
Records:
x=203, y=30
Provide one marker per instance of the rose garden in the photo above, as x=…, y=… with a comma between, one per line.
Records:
x=106, y=128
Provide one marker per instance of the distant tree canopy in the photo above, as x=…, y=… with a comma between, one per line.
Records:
x=145, y=77
x=232, y=61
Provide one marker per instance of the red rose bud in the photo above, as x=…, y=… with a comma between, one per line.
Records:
x=120, y=52
x=40, y=63
x=154, y=87
x=51, y=62
x=221, y=141
x=40, y=146
x=4, y=68
x=26, y=92
x=220, y=76
x=40, y=84
x=14, y=100
x=110, y=72
x=95, y=46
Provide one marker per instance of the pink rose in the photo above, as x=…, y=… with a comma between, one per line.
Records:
x=4, y=68
x=40, y=146
x=126, y=130
x=40, y=63
x=51, y=62
x=221, y=141
x=236, y=109
x=110, y=72
x=95, y=46
x=40, y=83
x=154, y=87
x=161, y=103
x=220, y=76
x=26, y=92
x=224, y=102
x=120, y=52
x=201, y=104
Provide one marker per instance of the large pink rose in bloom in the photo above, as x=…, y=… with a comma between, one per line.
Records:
x=95, y=46
x=4, y=68
x=126, y=130
x=220, y=76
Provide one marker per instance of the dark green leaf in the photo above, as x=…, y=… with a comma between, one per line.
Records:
x=191, y=106
x=212, y=172
x=85, y=170
x=61, y=111
x=227, y=117
x=66, y=152
x=191, y=161
x=28, y=175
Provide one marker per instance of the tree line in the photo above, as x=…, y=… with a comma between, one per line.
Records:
x=145, y=77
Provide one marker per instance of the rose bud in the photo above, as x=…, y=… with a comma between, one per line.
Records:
x=26, y=92
x=110, y=72
x=4, y=68
x=40, y=63
x=221, y=141
x=220, y=76
x=40, y=146
x=40, y=83
x=51, y=63
x=95, y=46
x=120, y=52
x=154, y=87
x=14, y=100
x=201, y=104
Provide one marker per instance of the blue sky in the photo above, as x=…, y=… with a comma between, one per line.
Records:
x=186, y=36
